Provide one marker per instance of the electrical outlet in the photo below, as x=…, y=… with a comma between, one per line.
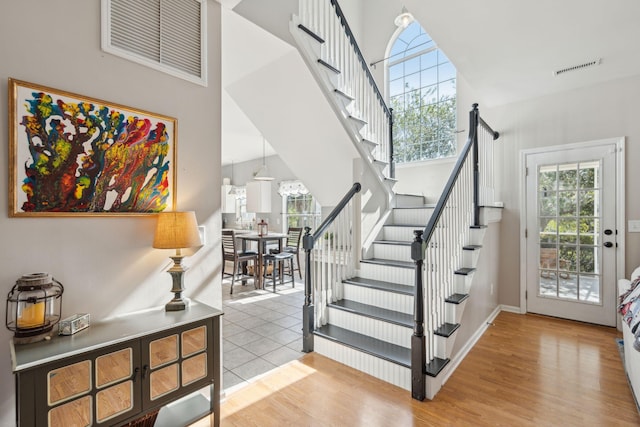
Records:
x=633, y=226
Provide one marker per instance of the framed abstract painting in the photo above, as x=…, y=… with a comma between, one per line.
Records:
x=71, y=155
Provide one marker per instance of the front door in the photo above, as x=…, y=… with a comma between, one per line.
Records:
x=571, y=233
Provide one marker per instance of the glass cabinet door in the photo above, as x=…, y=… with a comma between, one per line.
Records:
x=70, y=384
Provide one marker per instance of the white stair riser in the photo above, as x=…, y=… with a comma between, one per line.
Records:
x=403, y=276
x=470, y=258
x=462, y=283
x=434, y=385
x=411, y=216
x=476, y=236
x=408, y=200
x=387, y=300
x=392, y=252
x=400, y=234
x=444, y=346
x=384, y=331
x=453, y=313
x=376, y=367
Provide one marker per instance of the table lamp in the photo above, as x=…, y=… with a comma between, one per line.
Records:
x=176, y=230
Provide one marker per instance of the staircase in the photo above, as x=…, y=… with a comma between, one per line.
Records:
x=391, y=306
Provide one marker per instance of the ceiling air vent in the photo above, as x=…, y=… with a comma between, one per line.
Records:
x=578, y=67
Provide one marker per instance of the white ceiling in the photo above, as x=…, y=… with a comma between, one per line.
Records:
x=506, y=50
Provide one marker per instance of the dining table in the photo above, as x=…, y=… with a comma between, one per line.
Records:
x=262, y=240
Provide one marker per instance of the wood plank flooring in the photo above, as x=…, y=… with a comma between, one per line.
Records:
x=526, y=370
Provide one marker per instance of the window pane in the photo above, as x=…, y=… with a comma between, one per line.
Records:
x=446, y=71
x=425, y=118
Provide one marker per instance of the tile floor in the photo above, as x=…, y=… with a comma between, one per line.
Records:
x=261, y=330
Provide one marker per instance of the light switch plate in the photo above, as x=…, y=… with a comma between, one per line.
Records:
x=633, y=226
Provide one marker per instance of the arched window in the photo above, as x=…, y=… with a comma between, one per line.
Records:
x=422, y=91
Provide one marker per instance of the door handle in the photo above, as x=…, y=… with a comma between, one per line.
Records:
x=608, y=232
x=608, y=244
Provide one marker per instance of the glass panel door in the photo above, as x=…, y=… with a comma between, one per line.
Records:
x=569, y=231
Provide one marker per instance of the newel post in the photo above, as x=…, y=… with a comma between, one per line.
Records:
x=418, y=346
x=308, y=309
x=473, y=121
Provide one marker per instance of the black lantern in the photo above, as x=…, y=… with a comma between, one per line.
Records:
x=33, y=307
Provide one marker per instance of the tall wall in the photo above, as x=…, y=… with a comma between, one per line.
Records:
x=592, y=113
x=107, y=264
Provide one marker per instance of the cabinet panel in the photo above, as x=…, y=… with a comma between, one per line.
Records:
x=163, y=351
x=164, y=381
x=75, y=413
x=114, y=401
x=68, y=382
x=114, y=367
x=194, y=341
x=194, y=368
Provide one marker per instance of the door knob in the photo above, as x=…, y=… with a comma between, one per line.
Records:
x=608, y=232
x=608, y=244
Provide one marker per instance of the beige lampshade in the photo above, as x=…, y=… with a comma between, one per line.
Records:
x=176, y=230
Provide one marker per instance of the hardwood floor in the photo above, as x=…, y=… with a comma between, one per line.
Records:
x=526, y=370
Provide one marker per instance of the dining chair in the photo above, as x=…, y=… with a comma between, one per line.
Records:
x=277, y=262
x=238, y=258
x=292, y=245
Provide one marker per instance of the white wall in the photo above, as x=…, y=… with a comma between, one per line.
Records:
x=106, y=264
x=592, y=113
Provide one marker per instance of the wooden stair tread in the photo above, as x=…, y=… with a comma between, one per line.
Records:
x=395, y=317
x=436, y=366
x=390, y=262
x=447, y=329
x=311, y=33
x=381, y=285
x=456, y=298
x=471, y=247
x=384, y=350
x=392, y=242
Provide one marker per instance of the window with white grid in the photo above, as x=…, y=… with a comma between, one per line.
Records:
x=422, y=93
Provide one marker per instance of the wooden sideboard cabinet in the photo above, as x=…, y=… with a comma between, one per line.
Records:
x=121, y=369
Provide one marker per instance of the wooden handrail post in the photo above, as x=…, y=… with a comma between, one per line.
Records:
x=473, y=121
x=418, y=344
x=307, y=309
x=392, y=165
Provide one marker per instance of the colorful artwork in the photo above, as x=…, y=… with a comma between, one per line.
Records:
x=74, y=155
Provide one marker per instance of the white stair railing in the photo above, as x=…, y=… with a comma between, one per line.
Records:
x=340, y=50
x=437, y=251
x=330, y=257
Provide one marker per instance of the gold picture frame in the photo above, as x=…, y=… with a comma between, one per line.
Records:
x=72, y=155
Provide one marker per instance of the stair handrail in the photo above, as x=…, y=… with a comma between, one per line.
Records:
x=472, y=143
x=351, y=60
x=363, y=62
x=308, y=242
x=423, y=240
x=388, y=111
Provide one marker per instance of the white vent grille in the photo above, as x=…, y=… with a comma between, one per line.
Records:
x=578, y=67
x=168, y=35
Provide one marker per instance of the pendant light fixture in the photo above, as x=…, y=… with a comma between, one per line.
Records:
x=263, y=174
